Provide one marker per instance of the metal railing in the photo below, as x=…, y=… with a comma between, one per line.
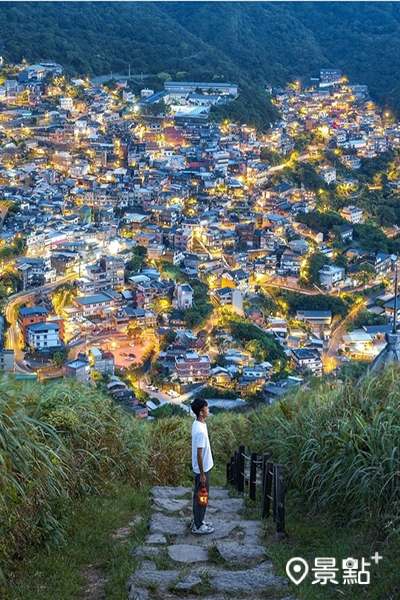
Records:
x=251, y=472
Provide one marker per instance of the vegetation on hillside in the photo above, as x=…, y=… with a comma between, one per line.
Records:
x=339, y=446
x=64, y=440
x=291, y=302
x=202, y=307
x=253, y=107
x=250, y=43
x=262, y=346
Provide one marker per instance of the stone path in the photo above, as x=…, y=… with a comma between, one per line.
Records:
x=227, y=564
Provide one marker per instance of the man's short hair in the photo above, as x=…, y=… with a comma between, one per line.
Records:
x=197, y=405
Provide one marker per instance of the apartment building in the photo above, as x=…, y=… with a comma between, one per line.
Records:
x=352, y=214
x=307, y=359
x=42, y=336
x=191, y=367
x=107, y=274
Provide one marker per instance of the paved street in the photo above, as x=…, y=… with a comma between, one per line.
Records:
x=12, y=341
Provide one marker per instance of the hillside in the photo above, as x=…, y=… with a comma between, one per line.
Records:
x=64, y=441
x=253, y=43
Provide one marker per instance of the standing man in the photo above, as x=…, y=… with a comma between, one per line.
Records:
x=202, y=463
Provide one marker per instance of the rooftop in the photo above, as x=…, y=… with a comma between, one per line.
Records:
x=95, y=299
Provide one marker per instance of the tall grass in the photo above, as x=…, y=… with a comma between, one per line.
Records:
x=63, y=440
x=340, y=447
x=58, y=442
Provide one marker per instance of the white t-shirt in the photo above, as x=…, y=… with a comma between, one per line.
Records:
x=200, y=440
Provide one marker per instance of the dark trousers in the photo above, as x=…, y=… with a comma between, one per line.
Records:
x=199, y=510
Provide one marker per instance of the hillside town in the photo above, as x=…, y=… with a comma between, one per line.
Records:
x=146, y=248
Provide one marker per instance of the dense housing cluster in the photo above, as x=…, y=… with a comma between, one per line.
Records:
x=145, y=245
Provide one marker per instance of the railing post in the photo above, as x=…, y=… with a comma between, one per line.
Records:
x=279, y=499
x=235, y=470
x=267, y=489
x=265, y=457
x=232, y=470
x=253, y=475
x=240, y=471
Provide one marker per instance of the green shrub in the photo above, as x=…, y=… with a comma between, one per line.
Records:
x=339, y=447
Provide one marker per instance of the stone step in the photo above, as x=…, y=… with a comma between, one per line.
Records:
x=216, y=580
x=228, y=563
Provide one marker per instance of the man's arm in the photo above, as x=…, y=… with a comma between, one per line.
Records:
x=200, y=463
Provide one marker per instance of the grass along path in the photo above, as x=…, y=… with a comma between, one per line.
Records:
x=94, y=562
x=309, y=537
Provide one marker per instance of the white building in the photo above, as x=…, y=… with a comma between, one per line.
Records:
x=224, y=89
x=307, y=359
x=328, y=174
x=35, y=241
x=66, y=103
x=352, y=161
x=184, y=296
x=228, y=297
x=331, y=275
x=79, y=169
x=92, y=305
x=41, y=336
x=352, y=214
x=7, y=361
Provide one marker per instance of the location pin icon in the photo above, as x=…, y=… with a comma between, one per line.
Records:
x=297, y=569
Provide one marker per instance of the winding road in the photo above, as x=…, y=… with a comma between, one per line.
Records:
x=12, y=341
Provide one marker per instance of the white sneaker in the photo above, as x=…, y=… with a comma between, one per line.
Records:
x=202, y=530
x=206, y=523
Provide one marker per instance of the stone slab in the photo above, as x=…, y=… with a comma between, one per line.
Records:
x=156, y=538
x=228, y=505
x=159, y=491
x=136, y=593
x=250, y=532
x=219, y=493
x=222, y=530
x=249, y=581
x=189, y=582
x=187, y=553
x=171, y=504
x=148, y=565
x=145, y=551
x=234, y=552
x=163, y=579
x=167, y=525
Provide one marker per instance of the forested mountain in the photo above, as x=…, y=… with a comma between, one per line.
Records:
x=251, y=42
